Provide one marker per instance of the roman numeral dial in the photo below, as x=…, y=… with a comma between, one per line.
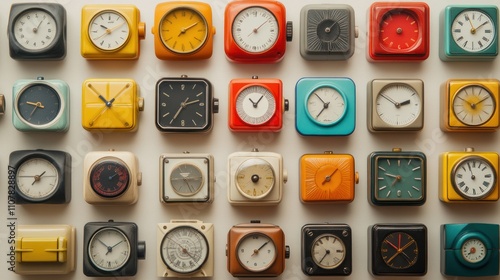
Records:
x=473, y=177
x=473, y=30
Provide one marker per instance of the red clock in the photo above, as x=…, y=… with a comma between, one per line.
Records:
x=398, y=31
x=256, y=31
x=256, y=105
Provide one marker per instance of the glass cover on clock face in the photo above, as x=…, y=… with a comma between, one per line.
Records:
x=399, y=30
x=473, y=177
x=109, y=249
x=186, y=179
x=473, y=30
x=398, y=105
x=255, y=29
x=399, y=178
x=38, y=104
x=35, y=29
x=328, y=251
x=37, y=178
x=473, y=105
x=255, y=105
x=183, y=30
x=109, y=30
x=473, y=250
x=326, y=105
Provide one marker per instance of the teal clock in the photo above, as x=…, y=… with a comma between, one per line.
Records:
x=325, y=106
x=469, y=250
x=397, y=177
x=40, y=105
x=468, y=33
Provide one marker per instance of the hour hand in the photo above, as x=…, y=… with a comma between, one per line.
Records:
x=406, y=102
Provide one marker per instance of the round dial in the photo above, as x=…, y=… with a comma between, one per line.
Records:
x=328, y=30
x=473, y=177
x=184, y=249
x=38, y=104
x=255, y=105
x=109, y=249
x=473, y=105
x=109, y=177
x=256, y=252
x=35, y=29
x=255, y=178
x=473, y=250
x=255, y=29
x=399, y=30
x=399, y=250
x=326, y=106
x=186, y=179
x=399, y=178
x=37, y=178
x=183, y=30
x=473, y=30
x=109, y=30
x=398, y=105
x=328, y=251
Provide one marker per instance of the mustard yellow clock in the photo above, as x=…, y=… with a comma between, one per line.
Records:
x=183, y=30
x=111, y=31
x=110, y=104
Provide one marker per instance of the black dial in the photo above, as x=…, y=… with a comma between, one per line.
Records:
x=328, y=30
x=109, y=178
x=38, y=104
x=399, y=250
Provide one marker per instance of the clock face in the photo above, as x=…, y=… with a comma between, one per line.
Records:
x=186, y=179
x=38, y=104
x=184, y=249
x=37, y=179
x=255, y=178
x=109, y=178
x=398, y=105
x=255, y=29
x=255, y=105
x=399, y=250
x=473, y=177
x=326, y=105
x=183, y=30
x=109, y=30
x=473, y=105
x=328, y=30
x=256, y=252
x=399, y=178
x=473, y=30
x=399, y=30
x=328, y=251
x=35, y=29
x=473, y=250
x=109, y=249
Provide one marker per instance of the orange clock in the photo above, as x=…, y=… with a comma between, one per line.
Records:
x=398, y=31
x=327, y=177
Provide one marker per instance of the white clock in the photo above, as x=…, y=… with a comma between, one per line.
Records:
x=255, y=105
x=255, y=29
x=109, y=249
x=326, y=105
x=35, y=29
x=109, y=30
x=473, y=30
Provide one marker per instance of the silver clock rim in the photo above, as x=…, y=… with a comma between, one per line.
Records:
x=56, y=34
x=459, y=163
x=54, y=188
x=103, y=229
x=338, y=239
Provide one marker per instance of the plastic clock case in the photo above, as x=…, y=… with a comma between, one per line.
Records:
x=2, y=104
x=55, y=50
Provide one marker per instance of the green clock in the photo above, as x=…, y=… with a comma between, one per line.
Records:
x=468, y=33
x=397, y=178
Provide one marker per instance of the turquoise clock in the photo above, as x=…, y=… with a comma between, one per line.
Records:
x=468, y=33
x=325, y=106
x=469, y=250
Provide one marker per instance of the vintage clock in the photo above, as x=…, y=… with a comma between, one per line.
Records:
x=256, y=250
x=2, y=104
x=468, y=176
x=469, y=250
x=256, y=31
x=183, y=30
x=470, y=105
x=186, y=178
x=327, y=32
x=326, y=249
x=185, y=249
x=397, y=177
x=111, y=31
x=111, y=249
x=111, y=105
x=111, y=177
x=325, y=106
x=185, y=105
x=37, y=31
x=45, y=249
x=468, y=33
x=327, y=177
x=395, y=105
x=40, y=105
x=397, y=250
x=255, y=178
x=398, y=31
x=256, y=105
x=41, y=176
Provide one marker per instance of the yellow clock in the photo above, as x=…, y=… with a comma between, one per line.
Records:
x=327, y=177
x=183, y=30
x=470, y=105
x=111, y=31
x=468, y=176
x=110, y=104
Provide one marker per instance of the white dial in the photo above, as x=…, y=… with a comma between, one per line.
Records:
x=109, y=249
x=255, y=29
x=255, y=178
x=35, y=29
x=473, y=105
x=473, y=177
x=473, y=250
x=255, y=105
x=37, y=178
x=109, y=30
x=326, y=105
x=256, y=252
x=473, y=30
x=328, y=251
x=398, y=105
